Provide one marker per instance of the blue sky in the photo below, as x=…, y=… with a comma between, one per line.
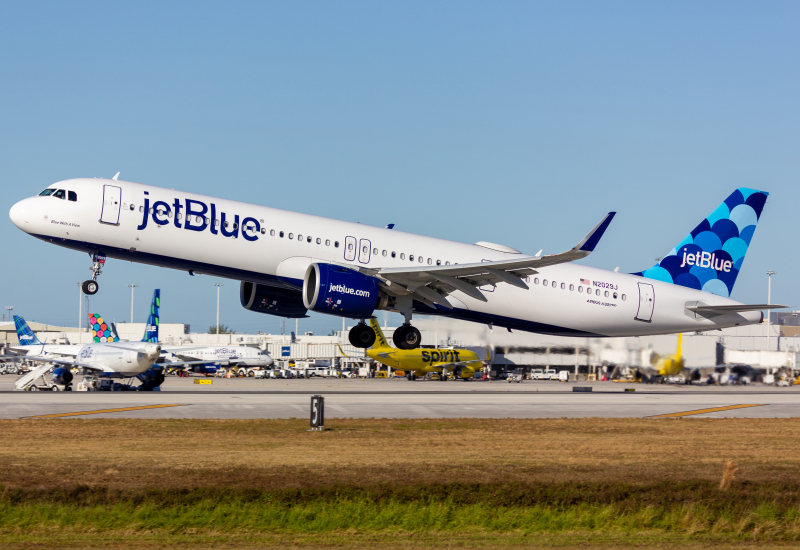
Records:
x=517, y=123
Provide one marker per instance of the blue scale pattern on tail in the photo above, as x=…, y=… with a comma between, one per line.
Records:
x=711, y=256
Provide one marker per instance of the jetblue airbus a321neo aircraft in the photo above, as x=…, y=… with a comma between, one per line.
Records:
x=289, y=263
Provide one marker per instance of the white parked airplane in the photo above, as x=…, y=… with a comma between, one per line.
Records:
x=289, y=263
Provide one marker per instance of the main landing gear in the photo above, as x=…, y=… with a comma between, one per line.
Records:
x=362, y=335
x=91, y=286
x=407, y=337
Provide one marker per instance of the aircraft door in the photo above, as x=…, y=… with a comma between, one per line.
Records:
x=350, y=249
x=364, y=251
x=112, y=203
x=647, y=299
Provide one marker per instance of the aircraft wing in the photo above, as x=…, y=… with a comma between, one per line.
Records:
x=431, y=284
x=42, y=359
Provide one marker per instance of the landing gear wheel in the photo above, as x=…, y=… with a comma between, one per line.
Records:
x=90, y=287
x=407, y=337
x=362, y=336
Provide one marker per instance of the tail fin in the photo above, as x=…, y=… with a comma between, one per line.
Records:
x=25, y=335
x=380, y=339
x=101, y=330
x=151, y=329
x=710, y=257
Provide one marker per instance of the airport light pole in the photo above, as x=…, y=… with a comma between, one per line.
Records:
x=80, y=306
x=9, y=309
x=218, y=285
x=770, y=273
x=132, y=287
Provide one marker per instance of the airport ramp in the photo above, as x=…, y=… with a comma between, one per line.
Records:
x=28, y=379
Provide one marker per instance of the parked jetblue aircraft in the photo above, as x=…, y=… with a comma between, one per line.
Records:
x=289, y=263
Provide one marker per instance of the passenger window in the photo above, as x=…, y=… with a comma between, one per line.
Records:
x=73, y=196
x=430, y=261
x=272, y=233
x=141, y=209
x=563, y=286
x=606, y=294
x=299, y=237
x=438, y=262
x=327, y=242
x=411, y=257
x=319, y=241
x=291, y=235
x=132, y=208
x=394, y=254
x=46, y=192
x=216, y=224
x=580, y=289
x=364, y=249
x=571, y=287
x=598, y=292
x=308, y=239
x=263, y=231
x=447, y=263
x=615, y=295
x=383, y=253
x=281, y=234
x=536, y=281
x=60, y=194
x=350, y=246
x=402, y=255
x=555, y=284
x=623, y=297
x=544, y=282
x=169, y=214
x=375, y=251
x=336, y=244
x=180, y=217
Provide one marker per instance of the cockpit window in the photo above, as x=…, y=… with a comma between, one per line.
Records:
x=47, y=192
x=72, y=195
x=60, y=194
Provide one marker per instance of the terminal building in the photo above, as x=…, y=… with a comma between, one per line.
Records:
x=766, y=346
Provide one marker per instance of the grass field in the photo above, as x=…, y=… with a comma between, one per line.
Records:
x=464, y=483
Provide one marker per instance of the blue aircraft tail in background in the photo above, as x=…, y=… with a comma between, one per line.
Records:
x=711, y=256
x=24, y=333
x=151, y=329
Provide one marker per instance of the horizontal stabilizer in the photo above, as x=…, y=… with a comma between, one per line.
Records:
x=721, y=310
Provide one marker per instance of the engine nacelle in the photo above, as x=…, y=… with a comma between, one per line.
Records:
x=338, y=290
x=62, y=376
x=273, y=301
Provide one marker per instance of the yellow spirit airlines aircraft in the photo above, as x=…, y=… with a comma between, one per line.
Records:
x=669, y=365
x=462, y=363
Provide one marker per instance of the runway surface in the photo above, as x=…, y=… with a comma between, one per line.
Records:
x=399, y=398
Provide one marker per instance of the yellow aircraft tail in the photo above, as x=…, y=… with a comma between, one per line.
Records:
x=678, y=354
x=380, y=339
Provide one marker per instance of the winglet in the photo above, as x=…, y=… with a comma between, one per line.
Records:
x=116, y=176
x=590, y=241
x=341, y=350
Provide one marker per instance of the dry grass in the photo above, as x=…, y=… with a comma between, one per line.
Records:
x=281, y=454
x=604, y=483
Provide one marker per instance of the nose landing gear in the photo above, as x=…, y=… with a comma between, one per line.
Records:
x=91, y=286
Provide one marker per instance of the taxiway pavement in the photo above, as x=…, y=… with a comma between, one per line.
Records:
x=399, y=398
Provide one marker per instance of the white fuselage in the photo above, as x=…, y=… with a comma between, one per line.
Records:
x=240, y=355
x=119, y=359
x=109, y=217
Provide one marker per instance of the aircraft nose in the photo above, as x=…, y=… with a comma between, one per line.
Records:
x=20, y=213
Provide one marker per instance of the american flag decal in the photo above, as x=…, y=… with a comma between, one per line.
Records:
x=585, y=282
